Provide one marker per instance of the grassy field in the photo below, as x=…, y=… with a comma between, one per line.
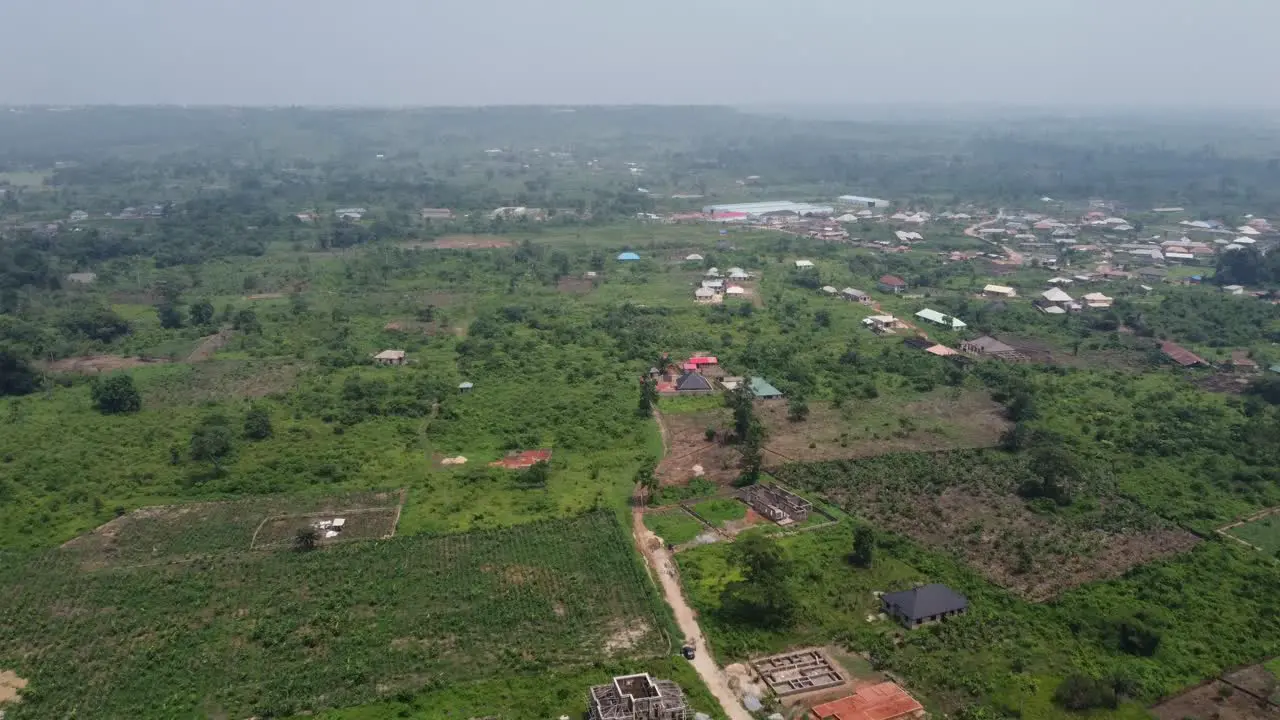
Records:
x=260, y=633
x=1263, y=533
x=674, y=526
x=719, y=512
x=32, y=180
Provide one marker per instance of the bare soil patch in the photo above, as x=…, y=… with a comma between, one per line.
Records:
x=624, y=637
x=468, y=242
x=265, y=296
x=881, y=426
x=688, y=448
x=93, y=364
x=1256, y=680
x=210, y=345
x=10, y=686
x=1215, y=701
x=1038, y=556
x=575, y=286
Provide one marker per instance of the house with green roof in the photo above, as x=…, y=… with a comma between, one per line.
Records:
x=763, y=390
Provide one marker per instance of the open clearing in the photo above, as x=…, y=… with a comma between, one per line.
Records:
x=93, y=364
x=865, y=428
x=280, y=633
x=176, y=532
x=1215, y=700
x=674, y=525
x=1262, y=532
x=966, y=502
x=688, y=448
x=10, y=686
x=213, y=380
x=469, y=242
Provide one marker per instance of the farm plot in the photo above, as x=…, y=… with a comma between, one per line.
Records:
x=967, y=502
x=271, y=634
x=175, y=532
x=1261, y=532
x=470, y=242
x=689, y=449
x=1216, y=700
x=213, y=380
x=880, y=426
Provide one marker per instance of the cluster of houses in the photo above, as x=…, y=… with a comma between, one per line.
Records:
x=717, y=285
x=703, y=375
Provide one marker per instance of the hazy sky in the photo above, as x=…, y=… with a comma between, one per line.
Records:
x=465, y=52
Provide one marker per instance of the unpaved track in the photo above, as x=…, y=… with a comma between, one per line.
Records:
x=660, y=561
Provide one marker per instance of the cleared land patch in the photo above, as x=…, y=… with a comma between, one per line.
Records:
x=469, y=242
x=690, y=454
x=280, y=633
x=967, y=502
x=92, y=364
x=1214, y=700
x=865, y=428
x=169, y=533
x=1261, y=531
x=215, y=380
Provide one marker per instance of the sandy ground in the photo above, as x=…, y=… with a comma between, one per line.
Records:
x=659, y=561
x=10, y=686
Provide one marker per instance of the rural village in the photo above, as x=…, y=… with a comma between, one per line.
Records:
x=697, y=444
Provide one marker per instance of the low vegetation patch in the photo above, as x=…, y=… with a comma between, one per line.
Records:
x=674, y=526
x=994, y=509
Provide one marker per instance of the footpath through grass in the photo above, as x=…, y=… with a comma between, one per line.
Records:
x=1263, y=532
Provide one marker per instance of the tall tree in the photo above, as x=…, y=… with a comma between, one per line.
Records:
x=648, y=397
x=201, y=313
x=763, y=597
x=864, y=547
x=17, y=377
x=115, y=394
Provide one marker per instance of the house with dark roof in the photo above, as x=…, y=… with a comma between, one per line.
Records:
x=692, y=383
x=924, y=604
x=891, y=284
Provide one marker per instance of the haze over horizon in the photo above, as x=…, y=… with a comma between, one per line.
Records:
x=1062, y=53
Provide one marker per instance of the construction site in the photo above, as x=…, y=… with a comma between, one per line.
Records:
x=638, y=697
x=797, y=672
x=778, y=504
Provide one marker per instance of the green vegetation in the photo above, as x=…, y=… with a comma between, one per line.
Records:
x=1263, y=533
x=204, y=340
x=674, y=526
x=449, y=609
x=1201, y=612
x=719, y=512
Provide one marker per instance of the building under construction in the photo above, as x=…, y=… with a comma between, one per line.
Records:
x=638, y=697
x=779, y=505
x=798, y=672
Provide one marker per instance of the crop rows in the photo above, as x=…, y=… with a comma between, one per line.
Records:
x=275, y=633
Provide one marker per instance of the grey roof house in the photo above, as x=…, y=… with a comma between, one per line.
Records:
x=692, y=382
x=924, y=604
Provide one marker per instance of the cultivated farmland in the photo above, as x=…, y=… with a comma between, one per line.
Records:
x=967, y=501
x=274, y=633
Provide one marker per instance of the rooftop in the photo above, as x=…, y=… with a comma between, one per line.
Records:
x=884, y=701
x=925, y=601
x=761, y=388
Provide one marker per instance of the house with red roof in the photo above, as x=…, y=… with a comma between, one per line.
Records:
x=882, y=701
x=891, y=284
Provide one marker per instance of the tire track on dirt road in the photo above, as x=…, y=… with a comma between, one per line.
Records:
x=662, y=564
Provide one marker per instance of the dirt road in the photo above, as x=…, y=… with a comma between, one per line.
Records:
x=660, y=561
x=1015, y=257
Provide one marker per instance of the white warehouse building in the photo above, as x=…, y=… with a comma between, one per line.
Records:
x=779, y=207
x=861, y=201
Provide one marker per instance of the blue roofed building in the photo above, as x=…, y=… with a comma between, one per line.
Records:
x=626, y=256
